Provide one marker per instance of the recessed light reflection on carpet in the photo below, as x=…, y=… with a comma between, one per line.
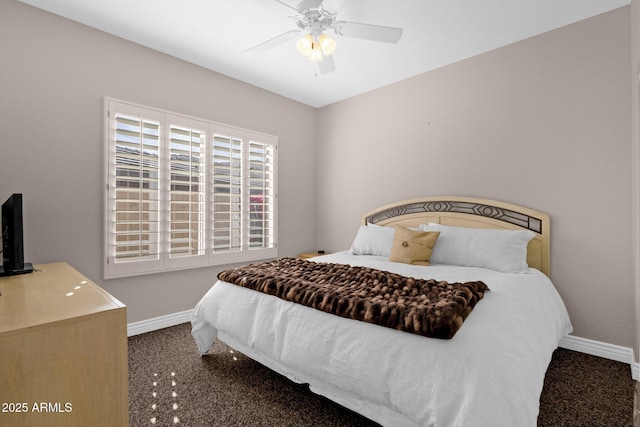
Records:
x=158, y=393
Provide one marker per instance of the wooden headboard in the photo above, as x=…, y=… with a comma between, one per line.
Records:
x=473, y=213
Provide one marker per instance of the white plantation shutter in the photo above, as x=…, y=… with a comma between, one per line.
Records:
x=183, y=192
x=136, y=189
x=262, y=201
x=187, y=204
x=134, y=175
x=226, y=180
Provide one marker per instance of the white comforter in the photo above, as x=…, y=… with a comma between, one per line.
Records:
x=489, y=374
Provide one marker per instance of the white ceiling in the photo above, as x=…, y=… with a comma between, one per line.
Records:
x=214, y=34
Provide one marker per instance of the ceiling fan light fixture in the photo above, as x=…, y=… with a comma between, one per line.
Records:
x=316, y=52
x=305, y=45
x=327, y=44
x=312, y=20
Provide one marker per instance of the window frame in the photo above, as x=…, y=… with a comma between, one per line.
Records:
x=166, y=261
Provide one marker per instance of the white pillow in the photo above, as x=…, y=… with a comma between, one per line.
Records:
x=501, y=250
x=373, y=240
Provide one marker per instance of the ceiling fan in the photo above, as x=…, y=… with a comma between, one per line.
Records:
x=312, y=20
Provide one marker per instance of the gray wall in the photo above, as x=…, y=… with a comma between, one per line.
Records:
x=544, y=123
x=635, y=189
x=54, y=74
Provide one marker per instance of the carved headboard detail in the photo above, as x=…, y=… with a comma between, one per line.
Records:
x=473, y=213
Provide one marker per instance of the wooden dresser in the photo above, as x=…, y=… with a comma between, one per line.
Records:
x=63, y=351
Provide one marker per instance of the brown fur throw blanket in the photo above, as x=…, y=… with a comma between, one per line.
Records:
x=424, y=307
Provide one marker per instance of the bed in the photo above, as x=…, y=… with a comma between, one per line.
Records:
x=490, y=373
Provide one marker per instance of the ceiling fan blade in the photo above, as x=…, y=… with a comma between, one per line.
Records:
x=327, y=65
x=308, y=4
x=284, y=4
x=377, y=33
x=270, y=44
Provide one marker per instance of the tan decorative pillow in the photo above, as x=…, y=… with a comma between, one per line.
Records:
x=412, y=247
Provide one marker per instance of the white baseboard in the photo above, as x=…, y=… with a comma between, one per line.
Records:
x=583, y=345
x=156, y=323
x=601, y=349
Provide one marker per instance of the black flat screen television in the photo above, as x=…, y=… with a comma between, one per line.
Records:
x=12, y=238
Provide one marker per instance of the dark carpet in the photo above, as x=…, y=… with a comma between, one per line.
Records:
x=170, y=384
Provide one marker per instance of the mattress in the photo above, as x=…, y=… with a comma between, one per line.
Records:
x=490, y=373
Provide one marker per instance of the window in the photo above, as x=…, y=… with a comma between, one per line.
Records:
x=185, y=193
